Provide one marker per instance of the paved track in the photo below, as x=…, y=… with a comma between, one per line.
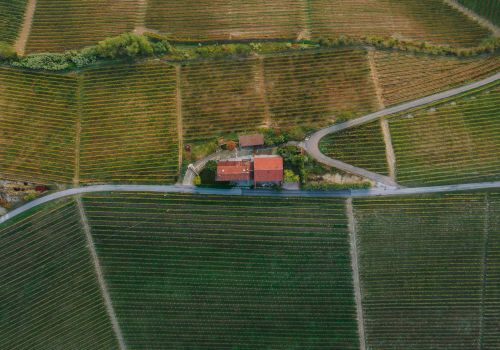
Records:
x=311, y=145
x=243, y=192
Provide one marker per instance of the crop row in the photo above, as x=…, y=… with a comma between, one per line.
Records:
x=129, y=124
x=449, y=143
x=361, y=146
x=489, y=9
x=405, y=77
x=11, y=18
x=60, y=25
x=217, y=272
x=50, y=296
x=425, y=20
x=430, y=268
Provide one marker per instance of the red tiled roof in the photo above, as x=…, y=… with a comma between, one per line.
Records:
x=233, y=170
x=267, y=169
x=251, y=140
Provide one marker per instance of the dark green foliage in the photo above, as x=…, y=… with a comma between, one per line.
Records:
x=489, y=9
x=274, y=137
x=294, y=159
x=124, y=45
x=208, y=173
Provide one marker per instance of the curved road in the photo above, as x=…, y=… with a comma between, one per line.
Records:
x=242, y=192
x=311, y=145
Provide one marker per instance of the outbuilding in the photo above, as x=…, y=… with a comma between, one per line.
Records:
x=234, y=170
x=253, y=140
x=268, y=169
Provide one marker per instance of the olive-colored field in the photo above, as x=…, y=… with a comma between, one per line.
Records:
x=49, y=291
x=60, y=25
x=423, y=20
x=129, y=124
x=11, y=19
x=429, y=270
x=205, y=272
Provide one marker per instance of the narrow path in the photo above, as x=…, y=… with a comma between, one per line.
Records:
x=374, y=74
x=260, y=86
x=22, y=39
x=484, y=268
x=78, y=131
x=100, y=277
x=305, y=33
x=389, y=149
x=178, y=106
x=140, y=24
x=242, y=192
x=474, y=16
x=355, y=272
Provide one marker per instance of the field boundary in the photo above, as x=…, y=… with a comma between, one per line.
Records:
x=389, y=149
x=78, y=131
x=484, y=267
x=178, y=107
x=355, y=272
x=22, y=39
x=474, y=16
x=100, y=277
x=260, y=77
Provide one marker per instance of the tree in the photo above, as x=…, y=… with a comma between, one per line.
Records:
x=124, y=45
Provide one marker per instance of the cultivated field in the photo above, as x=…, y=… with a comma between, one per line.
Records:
x=422, y=265
x=60, y=25
x=454, y=142
x=11, y=18
x=37, y=125
x=49, y=292
x=129, y=124
x=406, y=77
x=229, y=20
x=489, y=9
x=362, y=146
x=425, y=20
x=226, y=273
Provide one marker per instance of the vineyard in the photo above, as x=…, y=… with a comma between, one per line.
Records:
x=38, y=121
x=50, y=297
x=405, y=77
x=60, y=25
x=489, y=9
x=362, y=146
x=424, y=20
x=228, y=20
x=454, y=142
x=129, y=124
x=422, y=263
x=11, y=18
x=226, y=273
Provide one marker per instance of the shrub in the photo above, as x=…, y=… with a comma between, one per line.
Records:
x=124, y=45
x=7, y=52
x=290, y=176
x=46, y=61
x=197, y=180
x=208, y=173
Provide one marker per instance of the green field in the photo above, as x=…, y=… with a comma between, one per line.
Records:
x=49, y=292
x=205, y=272
x=11, y=19
x=362, y=146
x=454, y=142
x=228, y=20
x=37, y=125
x=129, y=124
x=422, y=263
x=489, y=9
x=60, y=25
x=424, y=20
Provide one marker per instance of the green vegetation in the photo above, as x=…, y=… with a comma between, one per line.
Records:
x=361, y=146
x=425, y=20
x=422, y=262
x=50, y=296
x=208, y=173
x=60, y=25
x=7, y=52
x=453, y=142
x=224, y=272
x=129, y=124
x=489, y=9
x=405, y=76
x=37, y=125
x=11, y=18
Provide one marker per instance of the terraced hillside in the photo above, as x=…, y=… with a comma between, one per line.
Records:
x=38, y=121
x=11, y=18
x=50, y=297
x=454, y=142
x=425, y=20
x=362, y=146
x=129, y=124
x=489, y=9
x=229, y=20
x=60, y=25
x=422, y=264
x=405, y=77
x=221, y=272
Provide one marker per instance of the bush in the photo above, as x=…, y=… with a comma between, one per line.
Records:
x=47, y=61
x=294, y=159
x=290, y=176
x=273, y=137
x=7, y=52
x=208, y=173
x=197, y=180
x=125, y=45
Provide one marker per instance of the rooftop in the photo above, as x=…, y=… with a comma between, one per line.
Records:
x=233, y=170
x=251, y=140
x=268, y=168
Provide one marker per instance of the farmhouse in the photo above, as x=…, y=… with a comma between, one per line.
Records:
x=253, y=140
x=234, y=170
x=268, y=169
